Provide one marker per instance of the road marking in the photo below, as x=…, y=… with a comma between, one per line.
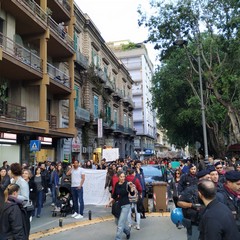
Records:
x=69, y=226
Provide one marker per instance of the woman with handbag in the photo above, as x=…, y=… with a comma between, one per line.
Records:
x=131, y=177
x=120, y=195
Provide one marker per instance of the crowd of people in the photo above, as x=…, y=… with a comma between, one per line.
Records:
x=23, y=191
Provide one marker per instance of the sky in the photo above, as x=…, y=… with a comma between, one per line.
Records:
x=118, y=20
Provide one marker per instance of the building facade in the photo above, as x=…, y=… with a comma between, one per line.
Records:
x=59, y=84
x=135, y=58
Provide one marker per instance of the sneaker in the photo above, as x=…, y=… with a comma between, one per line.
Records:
x=78, y=216
x=128, y=236
x=53, y=204
x=137, y=227
x=57, y=209
x=74, y=215
x=130, y=225
x=30, y=219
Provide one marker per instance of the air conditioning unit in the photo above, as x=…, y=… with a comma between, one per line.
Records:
x=84, y=149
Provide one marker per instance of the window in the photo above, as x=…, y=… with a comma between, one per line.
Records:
x=115, y=116
x=76, y=101
x=107, y=113
x=95, y=58
x=125, y=122
x=105, y=69
x=95, y=111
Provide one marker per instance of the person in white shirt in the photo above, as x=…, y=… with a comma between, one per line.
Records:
x=77, y=180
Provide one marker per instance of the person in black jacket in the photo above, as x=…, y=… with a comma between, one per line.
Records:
x=217, y=222
x=14, y=222
x=120, y=194
x=4, y=179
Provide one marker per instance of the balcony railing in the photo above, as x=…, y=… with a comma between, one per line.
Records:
x=99, y=72
x=52, y=119
x=80, y=58
x=13, y=112
x=35, y=8
x=118, y=127
x=59, y=30
x=65, y=4
x=20, y=53
x=82, y=114
x=128, y=130
x=58, y=75
x=110, y=84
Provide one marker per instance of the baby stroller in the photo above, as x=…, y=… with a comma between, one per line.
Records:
x=64, y=201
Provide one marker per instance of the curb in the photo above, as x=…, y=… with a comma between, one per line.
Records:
x=52, y=231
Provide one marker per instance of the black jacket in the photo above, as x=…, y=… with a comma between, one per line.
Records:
x=14, y=222
x=217, y=223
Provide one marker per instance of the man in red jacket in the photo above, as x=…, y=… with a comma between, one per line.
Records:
x=132, y=178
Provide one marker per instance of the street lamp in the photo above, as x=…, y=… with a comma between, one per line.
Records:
x=180, y=42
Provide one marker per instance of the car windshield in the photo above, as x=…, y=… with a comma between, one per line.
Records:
x=152, y=173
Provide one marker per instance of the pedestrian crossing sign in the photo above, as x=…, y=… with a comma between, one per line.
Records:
x=35, y=145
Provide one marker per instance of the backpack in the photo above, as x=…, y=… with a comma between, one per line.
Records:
x=133, y=198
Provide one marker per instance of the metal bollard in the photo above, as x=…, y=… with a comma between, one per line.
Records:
x=90, y=215
x=60, y=222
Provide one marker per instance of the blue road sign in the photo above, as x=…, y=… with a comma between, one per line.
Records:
x=35, y=145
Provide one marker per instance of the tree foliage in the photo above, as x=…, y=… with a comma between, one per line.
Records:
x=211, y=29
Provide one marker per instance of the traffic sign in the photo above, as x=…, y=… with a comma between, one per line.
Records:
x=35, y=145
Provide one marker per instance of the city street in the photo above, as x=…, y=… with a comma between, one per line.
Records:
x=153, y=228
x=102, y=226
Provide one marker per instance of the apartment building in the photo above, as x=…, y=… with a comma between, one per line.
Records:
x=100, y=84
x=135, y=58
x=58, y=79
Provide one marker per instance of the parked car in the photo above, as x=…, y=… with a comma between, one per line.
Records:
x=152, y=173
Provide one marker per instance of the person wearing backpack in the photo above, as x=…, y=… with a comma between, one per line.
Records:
x=131, y=177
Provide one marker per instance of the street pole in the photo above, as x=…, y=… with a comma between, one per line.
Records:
x=202, y=105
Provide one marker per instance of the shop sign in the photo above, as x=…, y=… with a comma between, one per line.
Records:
x=76, y=144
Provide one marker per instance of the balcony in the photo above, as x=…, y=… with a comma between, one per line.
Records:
x=30, y=17
x=108, y=125
x=12, y=112
x=82, y=115
x=35, y=9
x=101, y=75
x=60, y=9
x=59, y=78
x=117, y=95
x=118, y=128
x=127, y=101
x=128, y=131
x=17, y=59
x=61, y=40
x=109, y=86
x=81, y=60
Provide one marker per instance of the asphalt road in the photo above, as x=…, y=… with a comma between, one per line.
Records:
x=152, y=228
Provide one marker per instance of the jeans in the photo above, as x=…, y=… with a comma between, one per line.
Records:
x=77, y=195
x=122, y=226
x=39, y=202
x=134, y=205
x=54, y=193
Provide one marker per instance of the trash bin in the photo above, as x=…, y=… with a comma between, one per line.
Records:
x=160, y=200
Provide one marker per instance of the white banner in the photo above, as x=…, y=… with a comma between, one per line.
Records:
x=93, y=187
x=111, y=154
x=100, y=128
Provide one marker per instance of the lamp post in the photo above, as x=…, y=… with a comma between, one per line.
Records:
x=180, y=42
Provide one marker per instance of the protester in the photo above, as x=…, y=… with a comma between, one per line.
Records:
x=174, y=184
x=122, y=189
x=54, y=182
x=14, y=222
x=131, y=177
x=77, y=181
x=141, y=178
x=4, y=179
x=39, y=182
x=16, y=173
x=217, y=222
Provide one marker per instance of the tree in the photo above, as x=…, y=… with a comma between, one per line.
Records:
x=218, y=43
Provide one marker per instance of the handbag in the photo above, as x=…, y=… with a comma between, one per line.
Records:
x=116, y=209
x=140, y=206
x=29, y=207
